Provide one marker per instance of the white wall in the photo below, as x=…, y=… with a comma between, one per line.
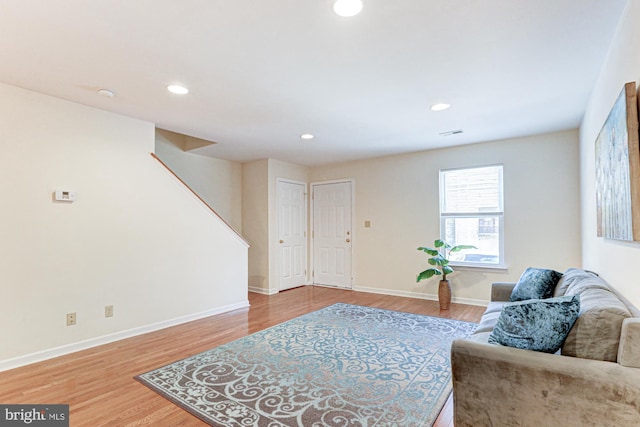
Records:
x=614, y=260
x=218, y=182
x=399, y=195
x=260, y=218
x=135, y=238
x=255, y=220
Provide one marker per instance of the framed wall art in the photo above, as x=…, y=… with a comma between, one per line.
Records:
x=618, y=170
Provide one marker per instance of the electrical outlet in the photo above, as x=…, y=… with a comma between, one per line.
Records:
x=108, y=311
x=71, y=319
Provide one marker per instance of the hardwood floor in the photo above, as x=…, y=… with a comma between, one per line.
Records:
x=98, y=383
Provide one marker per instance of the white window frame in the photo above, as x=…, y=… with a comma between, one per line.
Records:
x=490, y=214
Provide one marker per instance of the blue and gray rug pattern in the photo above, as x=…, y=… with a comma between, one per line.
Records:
x=344, y=365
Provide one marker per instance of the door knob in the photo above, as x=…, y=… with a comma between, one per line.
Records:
x=281, y=241
x=348, y=240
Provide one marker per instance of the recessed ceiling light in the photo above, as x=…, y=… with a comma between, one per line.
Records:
x=440, y=107
x=306, y=136
x=347, y=8
x=107, y=93
x=178, y=89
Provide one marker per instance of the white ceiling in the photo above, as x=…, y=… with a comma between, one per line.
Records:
x=262, y=72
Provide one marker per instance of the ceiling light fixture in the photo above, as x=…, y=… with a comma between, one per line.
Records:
x=178, y=89
x=347, y=8
x=440, y=107
x=107, y=93
x=306, y=136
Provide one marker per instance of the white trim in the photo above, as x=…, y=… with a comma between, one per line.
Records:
x=353, y=227
x=263, y=291
x=471, y=214
x=39, y=356
x=480, y=166
x=200, y=200
x=485, y=268
x=443, y=216
x=431, y=297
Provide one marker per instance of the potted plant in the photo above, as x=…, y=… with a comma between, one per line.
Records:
x=440, y=261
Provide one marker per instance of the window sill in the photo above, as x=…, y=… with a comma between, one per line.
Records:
x=480, y=267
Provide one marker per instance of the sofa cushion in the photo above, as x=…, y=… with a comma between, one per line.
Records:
x=586, y=281
x=535, y=283
x=482, y=337
x=629, y=350
x=571, y=276
x=490, y=317
x=488, y=322
x=596, y=333
x=540, y=325
x=495, y=307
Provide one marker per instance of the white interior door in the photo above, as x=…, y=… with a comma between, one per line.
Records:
x=332, y=234
x=292, y=235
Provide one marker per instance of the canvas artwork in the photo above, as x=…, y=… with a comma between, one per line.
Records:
x=618, y=170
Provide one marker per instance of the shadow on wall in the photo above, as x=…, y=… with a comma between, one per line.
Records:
x=462, y=279
x=257, y=282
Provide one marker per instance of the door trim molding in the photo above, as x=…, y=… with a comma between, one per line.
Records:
x=354, y=239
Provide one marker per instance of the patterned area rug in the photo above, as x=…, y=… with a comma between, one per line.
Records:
x=344, y=365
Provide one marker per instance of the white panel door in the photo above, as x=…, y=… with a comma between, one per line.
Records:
x=292, y=236
x=332, y=235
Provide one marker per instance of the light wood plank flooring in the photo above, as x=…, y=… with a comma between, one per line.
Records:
x=99, y=386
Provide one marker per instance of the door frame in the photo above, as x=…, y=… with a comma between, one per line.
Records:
x=306, y=230
x=312, y=186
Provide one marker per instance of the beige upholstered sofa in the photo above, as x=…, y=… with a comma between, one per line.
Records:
x=594, y=380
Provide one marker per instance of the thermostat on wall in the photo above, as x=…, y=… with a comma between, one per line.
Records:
x=65, y=196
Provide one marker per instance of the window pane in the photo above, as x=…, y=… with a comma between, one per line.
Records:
x=472, y=190
x=482, y=232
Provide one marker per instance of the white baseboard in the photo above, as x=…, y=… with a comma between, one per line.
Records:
x=39, y=356
x=470, y=301
x=262, y=290
x=432, y=297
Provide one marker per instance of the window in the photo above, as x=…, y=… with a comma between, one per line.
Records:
x=472, y=213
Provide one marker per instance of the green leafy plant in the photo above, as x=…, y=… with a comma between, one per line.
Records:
x=440, y=259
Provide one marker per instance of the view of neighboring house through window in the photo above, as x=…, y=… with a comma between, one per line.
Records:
x=472, y=213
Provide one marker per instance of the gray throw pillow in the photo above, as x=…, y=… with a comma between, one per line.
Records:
x=540, y=325
x=535, y=283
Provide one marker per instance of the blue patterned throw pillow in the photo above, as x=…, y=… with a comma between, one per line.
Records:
x=535, y=283
x=540, y=325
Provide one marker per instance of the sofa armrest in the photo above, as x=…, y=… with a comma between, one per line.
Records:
x=498, y=386
x=629, y=348
x=501, y=291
